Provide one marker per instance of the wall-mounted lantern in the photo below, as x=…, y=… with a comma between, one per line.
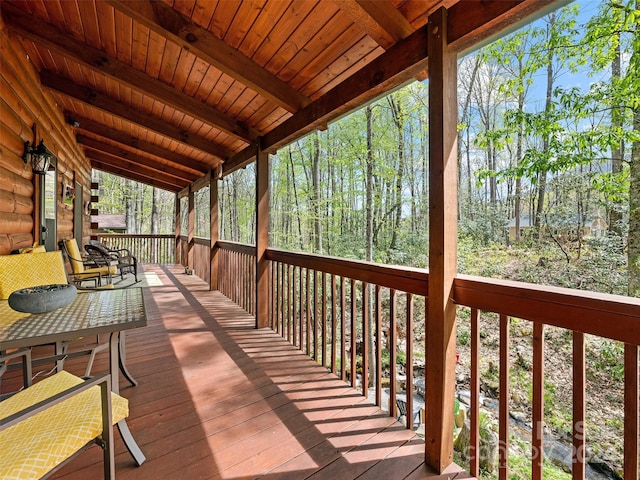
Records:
x=39, y=157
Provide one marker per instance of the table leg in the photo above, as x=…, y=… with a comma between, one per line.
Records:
x=123, y=360
x=114, y=365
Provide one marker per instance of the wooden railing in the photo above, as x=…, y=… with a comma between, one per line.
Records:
x=325, y=307
x=237, y=273
x=146, y=248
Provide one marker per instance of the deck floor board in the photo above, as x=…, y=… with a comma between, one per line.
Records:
x=218, y=399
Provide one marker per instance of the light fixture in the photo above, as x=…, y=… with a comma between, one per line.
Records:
x=39, y=157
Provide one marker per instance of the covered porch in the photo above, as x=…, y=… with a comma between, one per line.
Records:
x=218, y=398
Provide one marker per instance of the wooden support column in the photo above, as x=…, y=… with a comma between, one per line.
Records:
x=177, y=252
x=441, y=313
x=262, y=239
x=213, y=231
x=191, y=229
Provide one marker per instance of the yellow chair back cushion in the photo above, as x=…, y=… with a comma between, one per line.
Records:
x=23, y=271
x=35, y=249
x=38, y=444
x=75, y=258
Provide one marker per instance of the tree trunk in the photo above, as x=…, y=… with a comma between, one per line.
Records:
x=315, y=194
x=542, y=183
x=617, y=154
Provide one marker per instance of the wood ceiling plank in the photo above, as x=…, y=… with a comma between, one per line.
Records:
x=221, y=21
x=130, y=139
x=96, y=145
x=269, y=17
x=91, y=97
x=243, y=22
x=105, y=167
x=120, y=45
x=297, y=42
x=88, y=18
x=54, y=39
x=179, y=29
x=378, y=19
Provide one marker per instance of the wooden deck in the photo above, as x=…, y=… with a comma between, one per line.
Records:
x=219, y=399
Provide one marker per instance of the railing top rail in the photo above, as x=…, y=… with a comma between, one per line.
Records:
x=237, y=247
x=134, y=235
x=406, y=279
x=611, y=316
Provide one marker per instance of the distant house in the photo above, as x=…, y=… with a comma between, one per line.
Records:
x=109, y=223
x=594, y=226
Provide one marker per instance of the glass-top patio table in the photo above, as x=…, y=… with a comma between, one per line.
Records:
x=91, y=313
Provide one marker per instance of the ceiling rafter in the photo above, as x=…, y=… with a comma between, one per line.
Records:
x=379, y=19
x=135, y=167
x=135, y=176
x=171, y=24
x=113, y=107
x=181, y=161
x=55, y=40
x=125, y=154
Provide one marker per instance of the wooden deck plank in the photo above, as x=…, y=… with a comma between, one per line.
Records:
x=218, y=399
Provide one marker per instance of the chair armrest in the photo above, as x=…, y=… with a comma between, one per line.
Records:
x=103, y=380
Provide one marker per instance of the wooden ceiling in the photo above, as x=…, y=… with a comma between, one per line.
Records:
x=163, y=92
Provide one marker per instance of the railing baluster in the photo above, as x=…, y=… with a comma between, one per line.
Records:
x=289, y=274
x=409, y=359
x=378, y=300
x=315, y=315
x=503, y=416
x=301, y=329
x=343, y=343
x=294, y=313
x=631, y=429
x=393, y=307
x=366, y=336
x=579, y=407
x=353, y=333
x=308, y=319
x=334, y=340
x=537, y=432
x=324, y=318
x=474, y=414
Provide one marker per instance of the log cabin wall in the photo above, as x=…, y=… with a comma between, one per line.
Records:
x=23, y=103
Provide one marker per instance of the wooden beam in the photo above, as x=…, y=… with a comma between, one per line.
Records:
x=379, y=19
x=132, y=166
x=125, y=154
x=390, y=70
x=106, y=167
x=191, y=228
x=46, y=35
x=177, y=252
x=472, y=24
x=214, y=258
x=114, y=107
x=262, y=239
x=171, y=24
x=441, y=320
x=183, y=162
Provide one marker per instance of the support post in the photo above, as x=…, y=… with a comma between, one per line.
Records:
x=177, y=252
x=441, y=319
x=213, y=231
x=262, y=238
x=191, y=228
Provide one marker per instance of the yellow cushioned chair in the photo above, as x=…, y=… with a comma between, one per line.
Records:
x=34, y=443
x=80, y=271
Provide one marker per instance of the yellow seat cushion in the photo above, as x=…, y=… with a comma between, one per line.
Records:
x=35, y=249
x=38, y=444
x=23, y=271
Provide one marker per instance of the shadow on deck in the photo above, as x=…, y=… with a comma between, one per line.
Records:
x=218, y=399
